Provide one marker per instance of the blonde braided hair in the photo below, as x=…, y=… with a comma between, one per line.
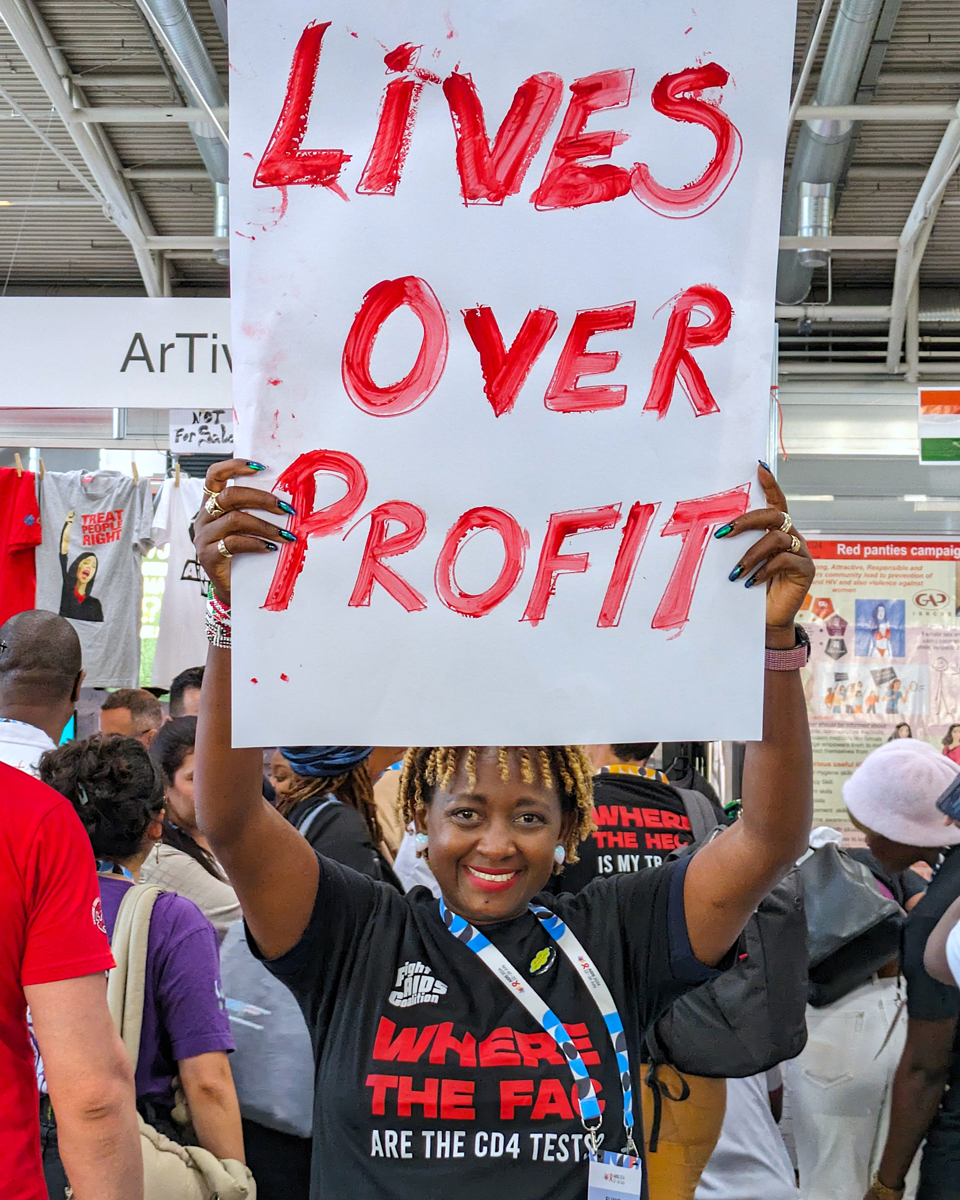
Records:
x=565, y=769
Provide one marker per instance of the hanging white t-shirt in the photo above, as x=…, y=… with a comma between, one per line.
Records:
x=750, y=1161
x=96, y=529
x=182, y=641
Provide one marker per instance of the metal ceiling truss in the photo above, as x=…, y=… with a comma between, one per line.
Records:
x=121, y=203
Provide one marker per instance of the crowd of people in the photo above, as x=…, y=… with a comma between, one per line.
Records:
x=309, y=972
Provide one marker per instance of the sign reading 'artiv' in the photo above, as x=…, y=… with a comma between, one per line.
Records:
x=503, y=300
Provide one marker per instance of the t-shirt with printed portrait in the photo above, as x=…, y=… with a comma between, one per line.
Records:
x=432, y=1078
x=97, y=527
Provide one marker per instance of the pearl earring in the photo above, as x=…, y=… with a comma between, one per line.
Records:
x=560, y=856
x=422, y=841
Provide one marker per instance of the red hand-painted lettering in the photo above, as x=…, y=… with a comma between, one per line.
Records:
x=680, y=98
x=552, y=563
x=635, y=532
x=398, y=111
x=563, y=395
x=676, y=361
x=516, y=542
x=379, y=303
x=694, y=521
x=569, y=183
x=488, y=174
x=299, y=481
x=380, y=545
x=505, y=371
x=283, y=162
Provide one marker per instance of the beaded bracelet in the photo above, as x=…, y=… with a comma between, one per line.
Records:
x=218, y=622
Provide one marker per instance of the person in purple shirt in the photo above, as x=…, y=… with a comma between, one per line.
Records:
x=118, y=795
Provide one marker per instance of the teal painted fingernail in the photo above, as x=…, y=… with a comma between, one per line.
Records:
x=287, y=535
x=256, y=466
x=750, y=582
x=764, y=465
x=271, y=545
x=285, y=507
x=723, y=531
x=736, y=573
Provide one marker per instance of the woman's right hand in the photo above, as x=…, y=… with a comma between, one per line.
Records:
x=240, y=532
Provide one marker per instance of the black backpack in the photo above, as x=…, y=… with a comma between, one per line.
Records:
x=751, y=1017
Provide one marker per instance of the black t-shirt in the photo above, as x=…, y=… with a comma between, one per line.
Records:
x=340, y=832
x=431, y=1079
x=927, y=998
x=639, y=821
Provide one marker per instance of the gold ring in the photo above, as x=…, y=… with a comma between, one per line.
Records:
x=795, y=545
x=222, y=547
x=208, y=492
x=787, y=523
x=212, y=506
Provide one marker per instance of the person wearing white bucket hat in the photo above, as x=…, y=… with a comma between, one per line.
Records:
x=892, y=797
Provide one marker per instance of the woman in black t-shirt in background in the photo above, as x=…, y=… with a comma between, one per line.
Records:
x=328, y=797
x=432, y=1076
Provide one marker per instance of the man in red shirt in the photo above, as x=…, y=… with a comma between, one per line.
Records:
x=53, y=955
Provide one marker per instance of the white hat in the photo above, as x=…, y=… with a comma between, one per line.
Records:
x=895, y=790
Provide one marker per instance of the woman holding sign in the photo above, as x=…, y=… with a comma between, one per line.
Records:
x=457, y=1050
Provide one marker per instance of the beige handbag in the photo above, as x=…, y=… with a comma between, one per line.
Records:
x=170, y=1171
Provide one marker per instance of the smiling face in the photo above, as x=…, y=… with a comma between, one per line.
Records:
x=492, y=846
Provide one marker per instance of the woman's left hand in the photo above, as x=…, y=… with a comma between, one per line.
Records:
x=780, y=559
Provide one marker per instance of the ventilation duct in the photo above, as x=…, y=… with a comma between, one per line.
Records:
x=815, y=221
x=822, y=146
x=199, y=81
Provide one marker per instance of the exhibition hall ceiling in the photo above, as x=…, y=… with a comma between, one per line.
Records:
x=103, y=187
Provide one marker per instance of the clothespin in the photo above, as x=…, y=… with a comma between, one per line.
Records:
x=16, y=459
x=42, y=471
x=136, y=473
x=176, y=474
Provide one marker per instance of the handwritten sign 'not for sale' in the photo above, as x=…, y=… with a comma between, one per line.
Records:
x=503, y=300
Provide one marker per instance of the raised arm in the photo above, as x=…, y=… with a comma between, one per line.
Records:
x=728, y=878
x=65, y=535
x=272, y=868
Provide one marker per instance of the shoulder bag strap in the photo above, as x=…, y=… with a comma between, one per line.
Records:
x=127, y=981
x=307, y=823
x=700, y=813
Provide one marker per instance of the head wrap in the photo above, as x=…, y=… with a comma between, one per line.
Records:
x=323, y=762
x=895, y=789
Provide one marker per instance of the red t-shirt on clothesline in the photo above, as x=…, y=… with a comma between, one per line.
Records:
x=51, y=928
x=19, y=535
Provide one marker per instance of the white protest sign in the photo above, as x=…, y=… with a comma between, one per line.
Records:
x=114, y=352
x=503, y=298
x=201, y=431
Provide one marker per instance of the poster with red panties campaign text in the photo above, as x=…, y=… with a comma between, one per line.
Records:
x=885, y=635
x=503, y=306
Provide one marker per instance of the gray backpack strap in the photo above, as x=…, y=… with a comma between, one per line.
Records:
x=307, y=824
x=700, y=813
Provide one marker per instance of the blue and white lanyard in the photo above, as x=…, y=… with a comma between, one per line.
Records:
x=551, y=1023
